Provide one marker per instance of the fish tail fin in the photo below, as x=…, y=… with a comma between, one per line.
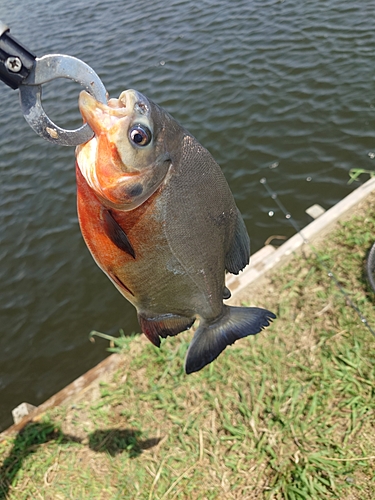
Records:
x=211, y=339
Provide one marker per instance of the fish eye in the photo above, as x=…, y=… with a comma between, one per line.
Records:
x=140, y=135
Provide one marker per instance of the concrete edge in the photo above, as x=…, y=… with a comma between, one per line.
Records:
x=266, y=259
x=261, y=262
x=108, y=365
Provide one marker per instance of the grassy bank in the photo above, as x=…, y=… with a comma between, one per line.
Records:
x=288, y=414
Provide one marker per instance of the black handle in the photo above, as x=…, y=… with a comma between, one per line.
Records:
x=16, y=61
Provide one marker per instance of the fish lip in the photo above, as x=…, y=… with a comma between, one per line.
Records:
x=98, y=115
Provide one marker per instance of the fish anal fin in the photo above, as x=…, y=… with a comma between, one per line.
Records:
x=211, y=339
x=238, y=255
x=116, y=233
x=163, y=326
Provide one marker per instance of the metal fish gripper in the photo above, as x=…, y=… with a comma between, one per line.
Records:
x=21, y=69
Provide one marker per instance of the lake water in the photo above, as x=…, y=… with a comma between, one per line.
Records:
x=277, y=89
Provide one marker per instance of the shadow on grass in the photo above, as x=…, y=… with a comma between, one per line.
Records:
x=115, y=441
x=33, y=435
x=27, y=442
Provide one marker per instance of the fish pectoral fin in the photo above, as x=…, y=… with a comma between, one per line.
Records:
x=239, y=253
x=211, y=339
x=116, y=233
x=165, y=325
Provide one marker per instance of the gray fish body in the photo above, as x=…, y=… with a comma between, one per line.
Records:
x=182, y=238
x=202, y=236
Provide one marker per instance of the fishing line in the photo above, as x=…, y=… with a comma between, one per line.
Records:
x=330, y=274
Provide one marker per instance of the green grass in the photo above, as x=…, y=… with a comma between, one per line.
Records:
x=288, y=414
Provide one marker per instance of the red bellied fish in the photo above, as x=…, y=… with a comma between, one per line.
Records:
x=160, y=220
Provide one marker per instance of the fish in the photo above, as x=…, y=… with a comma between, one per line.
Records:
x=159, y=219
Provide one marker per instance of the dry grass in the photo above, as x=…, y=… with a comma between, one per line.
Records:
x=288, y=414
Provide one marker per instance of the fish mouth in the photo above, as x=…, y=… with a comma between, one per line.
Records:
x=99, y=159
x=102, y=116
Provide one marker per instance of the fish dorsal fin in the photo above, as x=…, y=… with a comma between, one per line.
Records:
x=116, y=233
x=239, y=253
